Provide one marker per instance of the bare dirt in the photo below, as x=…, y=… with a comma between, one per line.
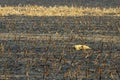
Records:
x=40, y=48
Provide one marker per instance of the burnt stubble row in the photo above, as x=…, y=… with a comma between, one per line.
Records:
x=54, y=57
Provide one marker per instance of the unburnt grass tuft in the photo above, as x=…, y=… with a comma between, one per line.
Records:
x=29, y=10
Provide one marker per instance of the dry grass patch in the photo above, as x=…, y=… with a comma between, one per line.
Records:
x=29, y=10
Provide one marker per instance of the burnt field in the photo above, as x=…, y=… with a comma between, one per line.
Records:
x=78, y=3
x=40, y=48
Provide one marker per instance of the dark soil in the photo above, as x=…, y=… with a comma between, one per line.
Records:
x=77, y=3
x=52, y=58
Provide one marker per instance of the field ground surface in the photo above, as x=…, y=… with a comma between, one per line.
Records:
x=35, y=45
x=41, y=48
x=29, y=10
x=77, y=3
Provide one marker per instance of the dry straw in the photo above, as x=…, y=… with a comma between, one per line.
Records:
x=29, y=10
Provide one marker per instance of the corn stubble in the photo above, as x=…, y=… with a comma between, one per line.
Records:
x=50, y=59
